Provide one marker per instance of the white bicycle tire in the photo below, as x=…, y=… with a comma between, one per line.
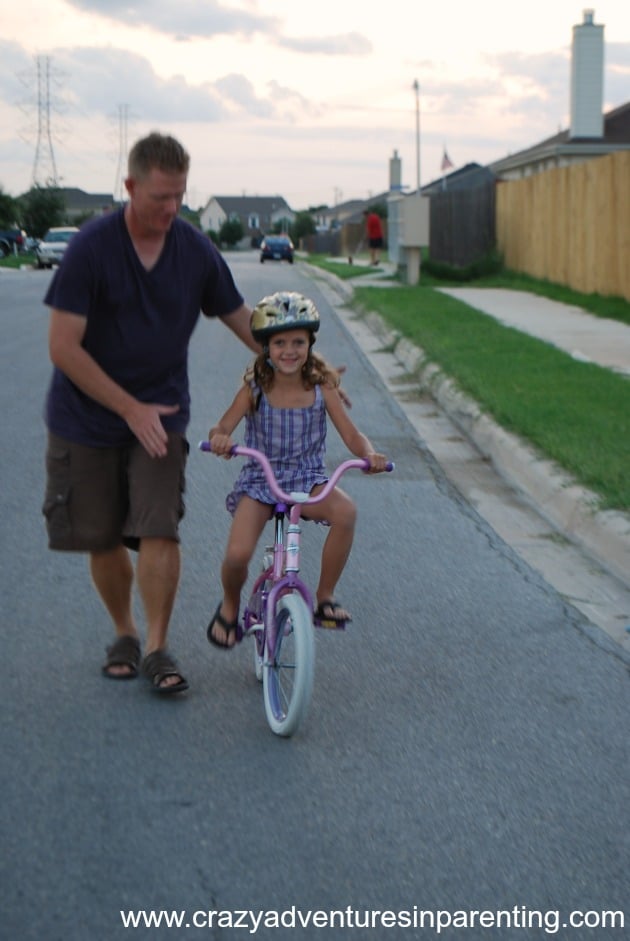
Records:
x=288, y=671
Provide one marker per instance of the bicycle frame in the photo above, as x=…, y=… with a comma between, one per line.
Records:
x=281, y=576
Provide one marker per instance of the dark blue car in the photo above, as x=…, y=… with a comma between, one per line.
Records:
x=276, y=248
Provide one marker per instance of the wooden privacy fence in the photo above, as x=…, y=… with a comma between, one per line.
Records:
x=348, y=241
x=462, y=225
x=570, y=225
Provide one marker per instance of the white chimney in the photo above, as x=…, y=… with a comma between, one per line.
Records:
x=395, y=172
x=587, y=79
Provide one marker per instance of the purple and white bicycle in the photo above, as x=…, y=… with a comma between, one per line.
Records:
x=279, y=614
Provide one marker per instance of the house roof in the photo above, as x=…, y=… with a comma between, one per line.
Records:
x=78, y=199
x=617, y=125
x=352, y=210
x=242, y=205
x=616, y=136
x=616, y=130
x=466, y=177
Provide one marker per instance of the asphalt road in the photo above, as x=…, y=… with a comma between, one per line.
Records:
x=467, y=747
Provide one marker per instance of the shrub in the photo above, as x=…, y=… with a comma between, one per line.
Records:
x=489, y=264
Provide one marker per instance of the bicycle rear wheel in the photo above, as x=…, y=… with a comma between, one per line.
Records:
x=289, y=668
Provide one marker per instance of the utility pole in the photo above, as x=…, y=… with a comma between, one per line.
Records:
x=44, y=167
x=123, y=118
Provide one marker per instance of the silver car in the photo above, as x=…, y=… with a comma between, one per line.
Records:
x=50, y=249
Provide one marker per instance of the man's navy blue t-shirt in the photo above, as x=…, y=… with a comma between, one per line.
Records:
x=139, y=322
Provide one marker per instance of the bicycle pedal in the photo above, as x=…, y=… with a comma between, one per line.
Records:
x=330, y=625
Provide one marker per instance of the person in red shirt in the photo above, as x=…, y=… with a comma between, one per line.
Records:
x=374, y=229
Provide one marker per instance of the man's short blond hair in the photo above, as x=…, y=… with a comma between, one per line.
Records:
x=157, y=152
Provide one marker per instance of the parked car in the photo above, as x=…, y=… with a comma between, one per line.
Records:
x=12, y=241
x=276, y=248
x=50, y=249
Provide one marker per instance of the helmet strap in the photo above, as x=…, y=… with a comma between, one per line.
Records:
x=267, y=357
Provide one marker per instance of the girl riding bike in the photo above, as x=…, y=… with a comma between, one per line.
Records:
x=285, y=398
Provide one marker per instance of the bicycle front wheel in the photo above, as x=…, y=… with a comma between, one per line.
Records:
x=289, y=668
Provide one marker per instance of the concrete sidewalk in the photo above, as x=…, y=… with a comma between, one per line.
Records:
x=585, y=337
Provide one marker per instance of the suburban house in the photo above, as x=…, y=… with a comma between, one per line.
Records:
x=81, y=205
x=466, y=177
x=591, y=133
x=334, y=217
x=564, y=148
x=462, y=207
x=257, y=214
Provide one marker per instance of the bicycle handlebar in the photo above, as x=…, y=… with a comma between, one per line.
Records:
x=303, y=498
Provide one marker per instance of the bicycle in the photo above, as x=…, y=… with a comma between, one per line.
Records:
x=279, y=613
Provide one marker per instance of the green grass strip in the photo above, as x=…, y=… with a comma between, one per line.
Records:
x=340, y=268
x=16, y=261
x=576, y=413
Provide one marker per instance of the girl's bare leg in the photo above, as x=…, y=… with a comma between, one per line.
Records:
x=249, y=521
x=339, y=510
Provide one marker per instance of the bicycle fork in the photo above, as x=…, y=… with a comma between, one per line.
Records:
x=286, y=566
x=279, y=575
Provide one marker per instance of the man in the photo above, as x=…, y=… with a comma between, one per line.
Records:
x=374, y=229
x=124, y=304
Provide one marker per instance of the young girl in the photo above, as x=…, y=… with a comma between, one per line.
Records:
x=285, y=398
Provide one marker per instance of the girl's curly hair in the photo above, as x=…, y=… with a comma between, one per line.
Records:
x=315, y=372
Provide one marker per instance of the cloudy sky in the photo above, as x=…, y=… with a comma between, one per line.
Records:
x=305, y=100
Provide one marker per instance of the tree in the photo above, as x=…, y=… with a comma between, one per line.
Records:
x=231, y=232
x=303, y=225
x=191, y=215
x=42, y=208
x=380, y=209
x=8, y=211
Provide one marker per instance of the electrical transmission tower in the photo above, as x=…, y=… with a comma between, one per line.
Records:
x=44, y=167
x=123, y=118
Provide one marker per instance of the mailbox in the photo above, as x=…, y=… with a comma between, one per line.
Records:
x=408, y=231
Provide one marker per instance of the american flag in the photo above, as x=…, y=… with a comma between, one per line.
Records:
x=446, y=162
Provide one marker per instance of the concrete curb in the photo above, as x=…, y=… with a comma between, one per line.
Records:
x=569, y=508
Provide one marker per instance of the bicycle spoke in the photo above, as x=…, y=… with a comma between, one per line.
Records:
x=288, y=673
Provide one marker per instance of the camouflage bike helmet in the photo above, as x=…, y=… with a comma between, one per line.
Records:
x=284, y=310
